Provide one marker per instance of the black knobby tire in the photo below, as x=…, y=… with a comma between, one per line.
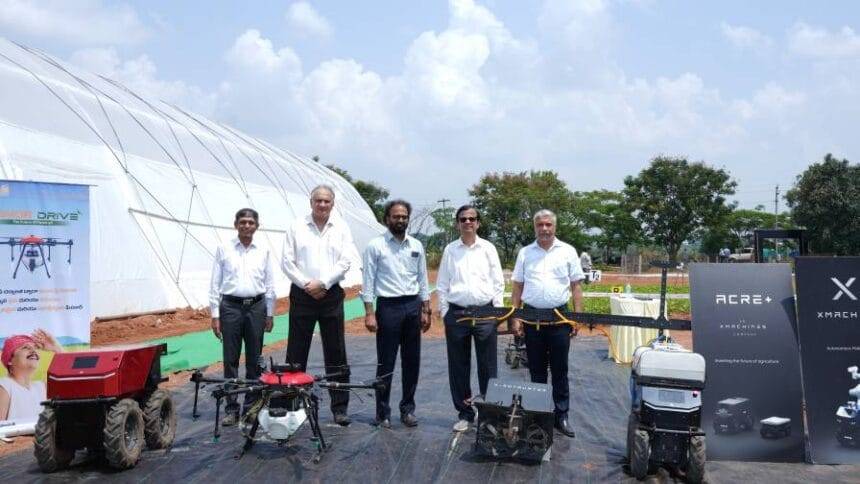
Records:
x=696, y=459
x=515, y=362
x=508, y=357
x=640, y=455
x=632, y=426
x=49, y=455
x=123, y=434
x=159, y=417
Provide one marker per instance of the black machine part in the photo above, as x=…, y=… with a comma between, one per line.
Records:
x=515, y=421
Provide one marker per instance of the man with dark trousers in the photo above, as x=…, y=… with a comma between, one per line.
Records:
x=395, y=274
x=242, y=301
x=470, y=274
x=546, y=273
x=318, y=251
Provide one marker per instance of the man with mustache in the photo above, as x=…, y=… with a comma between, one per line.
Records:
x=318, y=250
x=395, y=274
x=545, y=275
x=21, y=397
x=470, y=275
x=242, y=301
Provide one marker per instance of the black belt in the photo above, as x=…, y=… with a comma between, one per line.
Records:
x=244, y=301
x=563, y=307
x=457, y=307
x=396, y=298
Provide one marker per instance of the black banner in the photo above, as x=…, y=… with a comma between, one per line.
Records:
x=827, y=308
x=744, y=325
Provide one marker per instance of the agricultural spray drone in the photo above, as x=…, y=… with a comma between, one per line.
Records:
x=286, y=400
x=32, y=252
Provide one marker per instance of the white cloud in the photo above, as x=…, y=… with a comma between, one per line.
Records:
x=745, y=37
x=304, y=19
x=252, y=51
x=82, y=22
x=818, y=43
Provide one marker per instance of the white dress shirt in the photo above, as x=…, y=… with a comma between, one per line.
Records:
x=393, y=268
x=547, y=274
x=469, y=275
x=242, y=272
x=311, y=254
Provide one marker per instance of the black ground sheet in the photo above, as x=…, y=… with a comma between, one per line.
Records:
x=429, y=453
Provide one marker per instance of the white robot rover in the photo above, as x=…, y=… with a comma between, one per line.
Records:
x=848, y=415
x=664, y=427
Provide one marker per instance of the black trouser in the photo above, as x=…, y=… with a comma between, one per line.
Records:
x=549, y=346
x=305, y=311
x=398, y=321
x=242, y=323
x=458, y=339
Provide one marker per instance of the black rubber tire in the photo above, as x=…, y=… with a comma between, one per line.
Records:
x=632, y=426
x=640, y=455
x=159, y=417
x=49, y=455
x=515, y=362
x=508, y=357
x=123, y=434
x=696, y=460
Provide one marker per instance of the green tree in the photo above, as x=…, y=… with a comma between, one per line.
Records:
x=375, y=195
x=508, y=201
x=603, y=213
x=676, y=200
x=825, y=199
x=443, y=218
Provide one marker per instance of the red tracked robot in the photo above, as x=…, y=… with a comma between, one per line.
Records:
x=106, y=401
x=286, y=400
x=32, y=253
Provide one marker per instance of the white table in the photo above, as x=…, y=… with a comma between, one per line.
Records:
x=623, y=340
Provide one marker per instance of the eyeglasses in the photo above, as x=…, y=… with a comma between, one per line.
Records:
x=468, y=219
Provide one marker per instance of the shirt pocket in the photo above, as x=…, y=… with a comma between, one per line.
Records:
x=561, y=272
x=412, y=263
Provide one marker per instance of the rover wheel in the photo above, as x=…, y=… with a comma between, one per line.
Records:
x=515, y=362
x=632, y=426
x=159, y=417
x=508, y=357
x=49, y=455
x=640, y=455
x=123, y=434
x=696, y=460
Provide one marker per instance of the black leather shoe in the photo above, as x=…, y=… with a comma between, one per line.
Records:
x=409, y=420
x=562, y=426
x=342, y=419
x=384, y=423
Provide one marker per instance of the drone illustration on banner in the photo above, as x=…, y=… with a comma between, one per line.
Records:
x=32, y=252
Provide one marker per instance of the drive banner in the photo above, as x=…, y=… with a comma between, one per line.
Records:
x=745, y=327
x=44, y=289
x=828, y=308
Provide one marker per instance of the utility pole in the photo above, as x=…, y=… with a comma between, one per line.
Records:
x=776, y=208
x=443, y=202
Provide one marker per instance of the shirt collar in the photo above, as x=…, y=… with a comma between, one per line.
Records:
x=478, y=241
x=555, y=243
x=238, y=243
x=309, y=219
x=390, y=237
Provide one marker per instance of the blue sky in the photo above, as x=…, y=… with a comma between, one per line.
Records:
x=425, y=96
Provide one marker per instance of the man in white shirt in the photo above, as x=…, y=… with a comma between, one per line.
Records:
x=470, y=274
x=545, y=275
x=242, y=302
x=318, y=251
x=395, y=274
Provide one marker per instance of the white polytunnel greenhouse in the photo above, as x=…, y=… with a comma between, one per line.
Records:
x=166, y=183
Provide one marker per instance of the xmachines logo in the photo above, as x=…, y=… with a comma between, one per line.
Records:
x=842, y=289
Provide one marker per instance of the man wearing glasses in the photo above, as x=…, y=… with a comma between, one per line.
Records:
x=395, y=274
x=470, y=274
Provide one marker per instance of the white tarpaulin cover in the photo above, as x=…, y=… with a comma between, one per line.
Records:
x=166, y=182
